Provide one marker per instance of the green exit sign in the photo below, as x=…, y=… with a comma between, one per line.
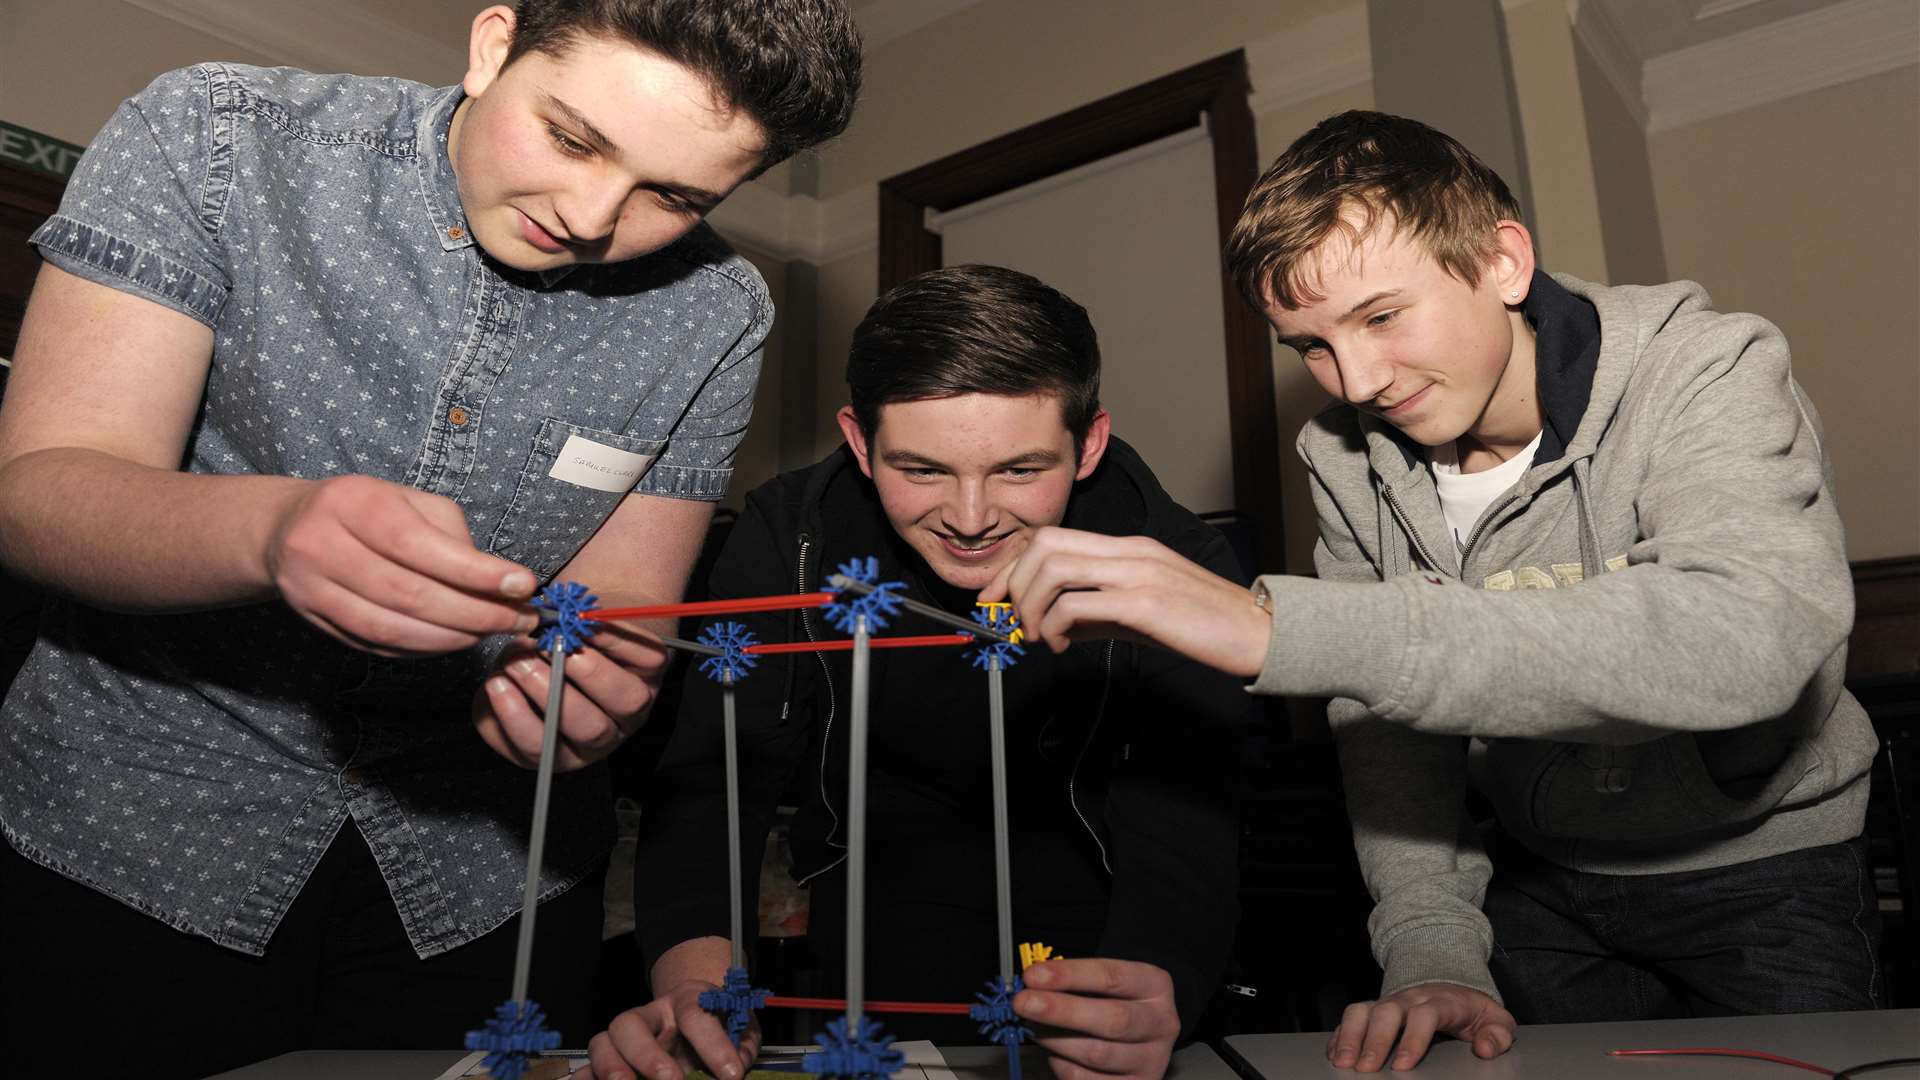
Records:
x=41, y=153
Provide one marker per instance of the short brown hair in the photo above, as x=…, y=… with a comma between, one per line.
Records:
x=792, y=65
x=1434, y=189
x=975, y=330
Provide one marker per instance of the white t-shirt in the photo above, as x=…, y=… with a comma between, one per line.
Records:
x=1465, y=496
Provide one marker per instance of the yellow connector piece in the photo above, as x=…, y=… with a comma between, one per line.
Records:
x=1032, y=953
x=1001, y=609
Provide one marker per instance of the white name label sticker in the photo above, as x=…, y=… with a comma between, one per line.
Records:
x=598, y=466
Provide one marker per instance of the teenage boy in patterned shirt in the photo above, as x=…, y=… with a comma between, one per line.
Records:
x=324, y=377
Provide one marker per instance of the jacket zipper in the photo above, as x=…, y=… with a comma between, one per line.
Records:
x=1406, y=524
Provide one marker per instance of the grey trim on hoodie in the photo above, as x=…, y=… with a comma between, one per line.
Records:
x=1644, y=673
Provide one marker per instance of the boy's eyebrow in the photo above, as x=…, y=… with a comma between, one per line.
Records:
x=1030, y=458
x=593, y=134
x=1369, y=301
x=698, y=196
x=906, y=458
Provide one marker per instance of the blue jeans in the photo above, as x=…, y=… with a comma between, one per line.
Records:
x=1798, y=932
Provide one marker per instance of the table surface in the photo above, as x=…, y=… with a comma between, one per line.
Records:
x=967, y=1062
x=1579, y=1051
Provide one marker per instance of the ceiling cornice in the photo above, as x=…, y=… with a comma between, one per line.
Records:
x=1782, y=59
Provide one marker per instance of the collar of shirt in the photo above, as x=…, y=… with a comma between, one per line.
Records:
x=440, y=185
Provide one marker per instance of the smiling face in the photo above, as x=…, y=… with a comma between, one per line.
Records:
x=607, y=153
x=1396, y=336
x=966, y=480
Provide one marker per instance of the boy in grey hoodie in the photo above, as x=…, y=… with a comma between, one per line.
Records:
x=1578, y=549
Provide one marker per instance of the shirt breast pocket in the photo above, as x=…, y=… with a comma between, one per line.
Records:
x=573, y=479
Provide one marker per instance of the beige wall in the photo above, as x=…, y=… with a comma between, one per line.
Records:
x=847, y=286
x=1628, y=213
x=1002, y=64
x=1807, y=211
x=65, y=65
x=1565, y=211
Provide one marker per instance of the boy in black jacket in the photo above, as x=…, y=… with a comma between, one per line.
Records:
x=975, y=420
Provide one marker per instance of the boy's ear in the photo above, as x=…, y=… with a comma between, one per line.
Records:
x=1094, y=446
x=1511, y=268
x=487, y=45
x=856, y=438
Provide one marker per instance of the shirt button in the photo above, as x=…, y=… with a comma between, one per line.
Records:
x=457, y=416
x=456, y=233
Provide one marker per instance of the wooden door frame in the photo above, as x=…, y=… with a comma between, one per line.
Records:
x=1213, y=93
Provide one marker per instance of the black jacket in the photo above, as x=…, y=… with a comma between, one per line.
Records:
x=1121, y=757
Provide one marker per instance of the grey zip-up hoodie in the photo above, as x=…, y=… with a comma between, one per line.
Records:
x=1644, y=672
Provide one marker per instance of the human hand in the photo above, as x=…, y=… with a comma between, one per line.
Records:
x=611, y=684
x=390, y=569
x=664, y=1038
x=1103, y=1017
x=1368, y=1028
x=1070, y=584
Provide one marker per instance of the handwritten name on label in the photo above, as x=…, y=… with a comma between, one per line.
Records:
x=597, y=466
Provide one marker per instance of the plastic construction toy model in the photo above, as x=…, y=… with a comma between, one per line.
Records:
x=516, y=1032
x=858, y=603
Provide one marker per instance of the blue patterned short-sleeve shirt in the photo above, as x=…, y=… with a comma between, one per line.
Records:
x=196, y=766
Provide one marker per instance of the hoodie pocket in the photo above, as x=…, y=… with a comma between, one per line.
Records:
x=1644, y=791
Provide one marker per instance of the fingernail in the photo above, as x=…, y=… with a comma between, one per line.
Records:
x=498, y=685
x=582, y=663
x=524, y=667
x=1036, y=1004
x=517, y=583
x=730, y=1071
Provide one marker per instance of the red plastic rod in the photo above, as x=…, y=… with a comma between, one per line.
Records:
x=936, y=1008
x=843, y=644
x=715, y=607
x=1722, y=1051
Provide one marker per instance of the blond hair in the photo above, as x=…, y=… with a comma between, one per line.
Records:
x=1365, y=166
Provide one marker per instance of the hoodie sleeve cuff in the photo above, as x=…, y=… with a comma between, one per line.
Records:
x=1442, y=953
x=1334, y=639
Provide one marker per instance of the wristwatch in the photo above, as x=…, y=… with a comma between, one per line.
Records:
x=1262, y=598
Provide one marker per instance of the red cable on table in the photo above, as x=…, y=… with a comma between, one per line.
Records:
x=1722, y=1051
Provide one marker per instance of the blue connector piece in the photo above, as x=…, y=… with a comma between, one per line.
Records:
x=998, y=1021
x=733, y=638
x=997, y=617
x=569, y=601
x=515, y=1034
x=736, y=1000
x=878, y=606
x=869, y=1055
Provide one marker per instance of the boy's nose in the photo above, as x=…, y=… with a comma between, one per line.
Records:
x=968, y=514
x=1363, y=378
x=594, y=213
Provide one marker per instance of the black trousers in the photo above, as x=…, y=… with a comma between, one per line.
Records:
x=84, y=978
x=1798, y=932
